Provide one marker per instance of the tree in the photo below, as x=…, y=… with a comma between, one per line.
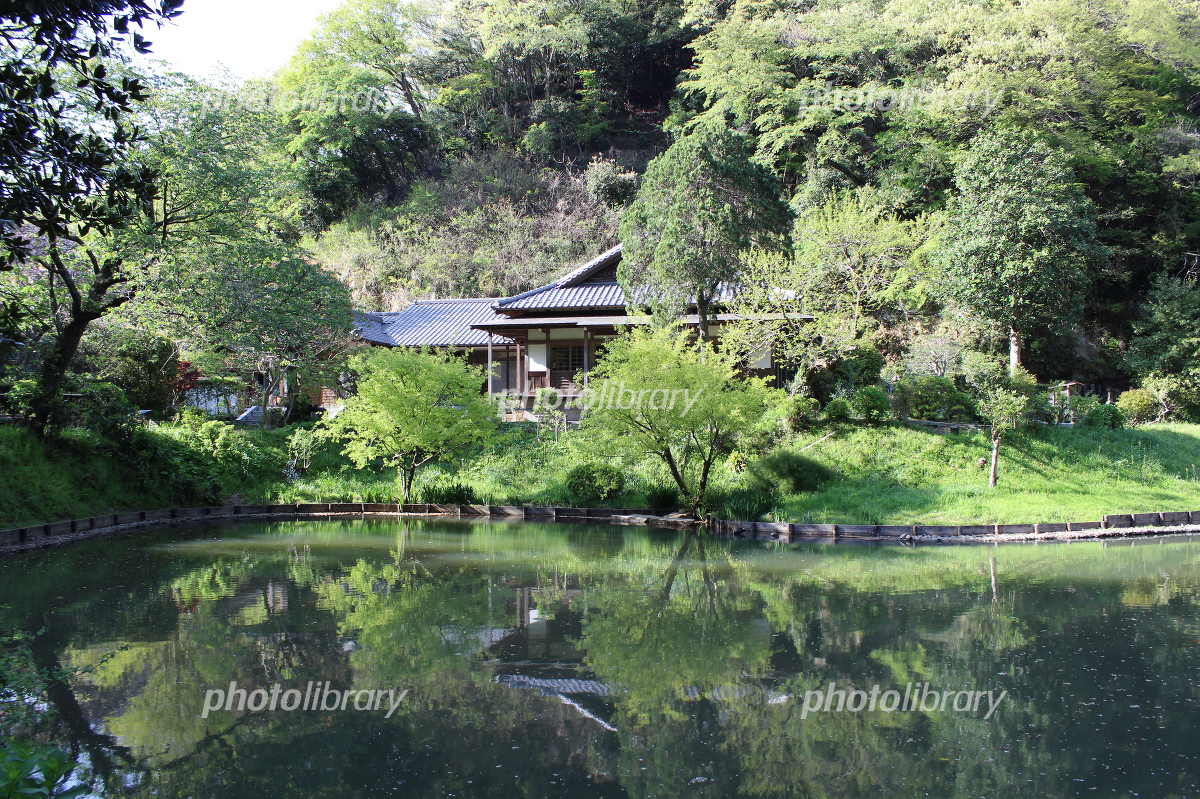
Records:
x=230, y=283
x=849, y=277
x=701, y=205
x=1004, y=411
x=344, y=91
x=658, y=393
x=1020, y=237
x=411, y=409
x=1166, y=339
x=269, y=323
x=67, y=140
x=63, y=118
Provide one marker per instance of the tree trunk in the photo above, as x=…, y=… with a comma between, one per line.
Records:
x=702, y=314
x=993, y=473
x=406, y=477
x=1014, y=352
x=54, y=370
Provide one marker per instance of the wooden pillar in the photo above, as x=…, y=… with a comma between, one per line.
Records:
x=587, y=355
x=489, y=366
x=520, y=370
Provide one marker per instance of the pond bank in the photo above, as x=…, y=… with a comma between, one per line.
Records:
x=1113, y=526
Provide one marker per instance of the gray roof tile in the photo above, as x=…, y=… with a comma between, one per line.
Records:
x=429, y=323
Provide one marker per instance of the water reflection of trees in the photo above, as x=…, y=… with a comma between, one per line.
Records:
x=704, y=651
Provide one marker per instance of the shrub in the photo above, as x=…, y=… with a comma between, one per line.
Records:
x=1178, y=396
x=18, y=398
x=1138, y=406
x=104, y=409
x=594, y=482
x=934, y=399
x=448, y=492
x=741, y=504
x=789, y=472
x=185, y=470
x=837, y=410
x=1080, y=407
x=801, y=413
x=663, y=498
x=982, y=372
x=608, y=183
x=192, y=418
x=302, y=444
x=871, y=404
x=861, y=366
x=1105, y=416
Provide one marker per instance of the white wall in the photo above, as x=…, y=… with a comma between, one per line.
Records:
x=761, y=359
x=537, y=357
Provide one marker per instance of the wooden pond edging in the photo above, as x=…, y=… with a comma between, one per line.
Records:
x=59, y=533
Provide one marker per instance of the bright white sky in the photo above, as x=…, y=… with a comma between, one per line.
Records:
x=251, y=38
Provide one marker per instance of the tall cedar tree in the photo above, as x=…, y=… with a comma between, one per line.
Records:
x=701, y=205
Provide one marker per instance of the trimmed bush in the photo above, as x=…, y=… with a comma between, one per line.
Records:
x=871, y=404
x=801, y=413
x=934, y=399
x=789, y=473
x=594, y=482
x=1138, y=406
x=837, y=410
x=1105, y=416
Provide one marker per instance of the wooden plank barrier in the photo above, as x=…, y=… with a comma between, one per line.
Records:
x=52, y=533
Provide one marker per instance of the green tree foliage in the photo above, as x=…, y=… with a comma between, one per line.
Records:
x=1167, y=338
x=701, y=205
x=691, y=405
x=353, y=97
x=229, y=283
x=886, y=96
x=66, y=121
x=143, y=365
x=411, y=409
x=1020, y=238
x=849, y=277
x=1004, y=410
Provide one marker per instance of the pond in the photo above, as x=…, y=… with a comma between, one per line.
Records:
x=439, y=658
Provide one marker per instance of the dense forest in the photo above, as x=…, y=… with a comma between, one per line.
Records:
x=931, y=180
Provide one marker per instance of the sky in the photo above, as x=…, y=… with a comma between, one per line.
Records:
x=251, y=38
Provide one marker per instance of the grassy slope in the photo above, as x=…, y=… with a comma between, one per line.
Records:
x=889, y=475
x=67, y=480
x=899, y=475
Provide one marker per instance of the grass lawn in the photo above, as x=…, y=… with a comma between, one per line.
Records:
x=886, y=475
x=900, y=475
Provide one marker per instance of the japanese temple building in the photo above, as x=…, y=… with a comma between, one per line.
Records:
x=547, y=337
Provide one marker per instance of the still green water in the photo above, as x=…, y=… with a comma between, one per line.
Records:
x=590, y=661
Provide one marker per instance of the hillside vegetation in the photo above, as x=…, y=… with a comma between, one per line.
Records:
x=878, y=475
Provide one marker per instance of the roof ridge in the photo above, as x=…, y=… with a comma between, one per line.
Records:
x=566, y=280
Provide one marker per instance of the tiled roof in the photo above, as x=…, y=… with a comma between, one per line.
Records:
x=429, y=323
x=589, y=295
x=573, y=290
